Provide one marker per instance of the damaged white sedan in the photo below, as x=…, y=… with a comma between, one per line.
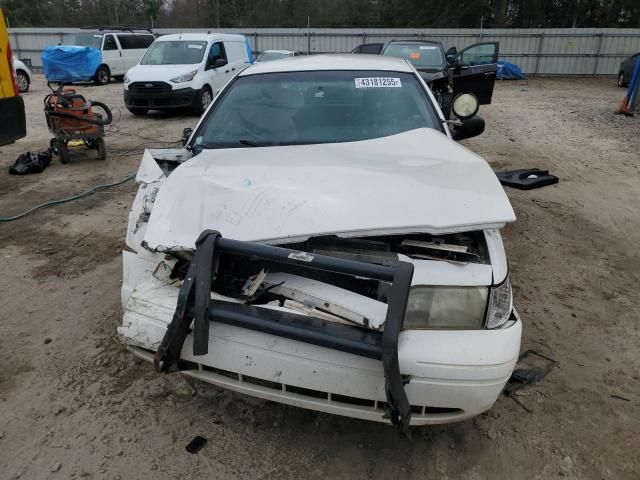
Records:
x=323, y=242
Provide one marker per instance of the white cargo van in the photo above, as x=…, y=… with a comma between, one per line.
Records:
x=121, y=49
x=184, y=71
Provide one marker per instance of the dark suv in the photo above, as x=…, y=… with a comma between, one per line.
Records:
x=472, y=70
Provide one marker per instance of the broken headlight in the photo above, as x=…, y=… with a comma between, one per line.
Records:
x=446, y=307
x=500, y=304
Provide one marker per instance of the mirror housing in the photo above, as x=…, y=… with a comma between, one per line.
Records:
x=219, y=62
x=468, y=128
x=186, y=134
x=451, y=55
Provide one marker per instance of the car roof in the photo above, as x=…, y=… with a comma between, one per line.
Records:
x=417, y=42
x=347, y=61
x=109, y=31
x=278, y=51
x=201, y=37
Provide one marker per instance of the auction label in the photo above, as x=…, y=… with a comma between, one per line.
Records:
x=378, y=82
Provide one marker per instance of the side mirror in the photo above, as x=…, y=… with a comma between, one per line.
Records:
x=471, y=127
x=451, y=54
x=220, y=62
x=186, y=134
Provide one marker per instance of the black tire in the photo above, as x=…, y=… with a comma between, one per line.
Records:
x=102, y=75
x=621, y=80
x=53, y=145
x=202, y=100
x=63, y=151
x=138, y=112
x=118, y=78
x=23, y=81
x=101, y=148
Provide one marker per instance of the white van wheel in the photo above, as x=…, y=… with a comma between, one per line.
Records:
x=203, y=100
x=102, y=75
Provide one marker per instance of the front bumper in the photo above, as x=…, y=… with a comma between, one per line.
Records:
x=454, y=375
x=163, y=100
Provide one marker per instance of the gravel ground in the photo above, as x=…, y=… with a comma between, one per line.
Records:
x=75, y=404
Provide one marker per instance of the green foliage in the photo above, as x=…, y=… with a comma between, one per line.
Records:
x=326, y=13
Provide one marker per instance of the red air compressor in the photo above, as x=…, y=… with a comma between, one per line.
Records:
x=72, y=117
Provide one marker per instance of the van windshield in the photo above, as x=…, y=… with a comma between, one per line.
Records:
x=93, y=40
x=179, y=52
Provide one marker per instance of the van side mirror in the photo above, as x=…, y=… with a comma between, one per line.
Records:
x=471, y=127
x=220, y=62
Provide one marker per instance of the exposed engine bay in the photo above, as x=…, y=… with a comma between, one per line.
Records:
x=326, y=294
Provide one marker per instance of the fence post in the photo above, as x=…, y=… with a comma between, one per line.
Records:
x=539, y=54
x=598, y=51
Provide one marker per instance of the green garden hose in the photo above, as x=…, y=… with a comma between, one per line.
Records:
x=68, y=199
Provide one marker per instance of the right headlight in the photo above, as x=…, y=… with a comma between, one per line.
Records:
x=458, y=308
x=500, y=304
x=461, y=308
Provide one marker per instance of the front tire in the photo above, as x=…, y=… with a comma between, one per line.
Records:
x=202, y=101
x=102, y=75
x=101, y=148
x=63, y=151
x=23, y=81
x=621, y=80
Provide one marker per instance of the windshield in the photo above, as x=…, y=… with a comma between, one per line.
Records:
x=266, y=56
x=179, y=52
x=92, y=40
x=420, y=55
x=295, y=108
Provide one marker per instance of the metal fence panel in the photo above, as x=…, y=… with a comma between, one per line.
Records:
x=551, y=51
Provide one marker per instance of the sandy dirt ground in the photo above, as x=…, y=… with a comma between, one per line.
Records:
x=75, y=404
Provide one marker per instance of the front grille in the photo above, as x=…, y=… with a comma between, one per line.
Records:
x=147, y=87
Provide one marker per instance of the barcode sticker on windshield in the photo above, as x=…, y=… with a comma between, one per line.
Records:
x=378, y=82
x=199, y=47
x=428, y=47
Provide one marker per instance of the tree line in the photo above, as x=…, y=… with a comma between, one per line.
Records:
x=325, y=13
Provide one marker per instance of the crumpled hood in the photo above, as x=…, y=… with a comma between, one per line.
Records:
x=416, y=181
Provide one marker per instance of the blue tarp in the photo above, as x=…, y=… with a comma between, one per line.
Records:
x=633, y=92
x=70, y=64
x=509, y=71
x=249, y=54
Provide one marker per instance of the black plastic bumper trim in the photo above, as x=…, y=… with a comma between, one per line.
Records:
x=194, y=304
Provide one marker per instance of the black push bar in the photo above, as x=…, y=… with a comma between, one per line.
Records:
x=195, y=305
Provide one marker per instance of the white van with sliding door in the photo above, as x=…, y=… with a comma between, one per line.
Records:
x=121, y=48
x=184, y=71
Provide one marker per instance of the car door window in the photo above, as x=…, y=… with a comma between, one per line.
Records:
x=129, y=42
x=145, y=40
x=480, y=54
x=371, y=48
x=109, y=43
x=216, y=52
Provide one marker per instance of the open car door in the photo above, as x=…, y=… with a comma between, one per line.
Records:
x=474, y=70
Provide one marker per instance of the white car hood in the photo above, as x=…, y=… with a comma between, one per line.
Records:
x=416, y=181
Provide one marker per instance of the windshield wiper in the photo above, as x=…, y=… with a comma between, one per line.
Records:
x=248, y=143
